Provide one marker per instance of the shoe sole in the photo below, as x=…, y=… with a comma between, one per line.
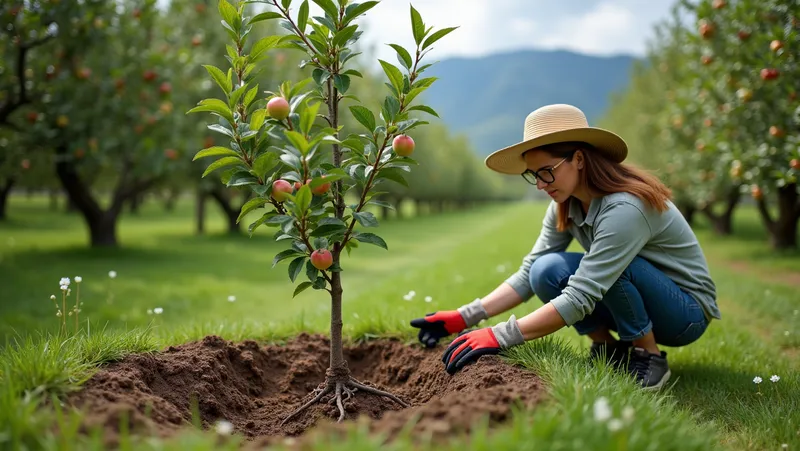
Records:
x=661, y=382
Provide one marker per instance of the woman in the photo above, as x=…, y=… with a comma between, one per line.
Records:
x=643, y=274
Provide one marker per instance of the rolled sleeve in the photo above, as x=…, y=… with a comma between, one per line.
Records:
x=621, y=230
x=549, y=240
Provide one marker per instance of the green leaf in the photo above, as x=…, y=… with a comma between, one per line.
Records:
x=403, y=56
x=251, y=205
x=311, y=271
x=328, y=7
x=250, y=96
x=228, y=13
x=328, y=230
x=353, y=72
x=342, y=82
x=219, y=77
x=331, y=220
x=366, y=218
x=320, y=283
x=242, y=178
x=216, y=151
x=303, y=199
x=286, y=3
x=308, y=116
x=354, y=10
x=413, y=94
x=391, y=106
x=436, y=36
x=417, y=26
x=215, y=106
x=381, y=203
x=263, y=44
x=320, y=76
x=302, y=16
x=257, y=119
x=424, y=82
x=283, y=255
x=340, y=38
x=300, y=288
x=266, y=16
x=264, y=163
x=252, y=228
x=296, y=267
x=370, y=238
x=364, y=116
x=394, y=74
x=393, y=174
x=424, y=108
x=236, y=95
x=221, y=163
x=297, y=140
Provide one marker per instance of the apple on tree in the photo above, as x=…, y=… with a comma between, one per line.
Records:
x=403, y=145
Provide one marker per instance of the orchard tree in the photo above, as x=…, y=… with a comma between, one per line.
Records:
x=291, y=155
x=742, y=100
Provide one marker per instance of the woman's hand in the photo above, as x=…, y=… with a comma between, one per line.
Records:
x=469, y=347
x=438, y=325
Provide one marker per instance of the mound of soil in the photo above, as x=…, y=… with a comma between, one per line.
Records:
x=255, y=387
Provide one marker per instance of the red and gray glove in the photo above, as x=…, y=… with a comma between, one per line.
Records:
x=435, y=326
x=467, y=348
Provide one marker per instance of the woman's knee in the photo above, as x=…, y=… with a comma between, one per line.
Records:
x=546, y=275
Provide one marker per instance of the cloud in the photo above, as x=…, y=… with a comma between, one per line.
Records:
x=607, y=29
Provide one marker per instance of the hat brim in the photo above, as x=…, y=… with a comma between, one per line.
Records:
x=509, y=159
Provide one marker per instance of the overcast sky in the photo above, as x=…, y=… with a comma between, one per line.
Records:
x=598, y=27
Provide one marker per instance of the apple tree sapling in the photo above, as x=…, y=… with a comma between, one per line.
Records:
x=292, y=154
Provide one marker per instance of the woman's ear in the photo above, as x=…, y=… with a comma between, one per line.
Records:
x=579, y=161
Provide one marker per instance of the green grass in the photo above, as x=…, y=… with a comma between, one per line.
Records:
x=453, y=258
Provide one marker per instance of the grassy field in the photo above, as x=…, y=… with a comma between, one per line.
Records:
x=448, y=260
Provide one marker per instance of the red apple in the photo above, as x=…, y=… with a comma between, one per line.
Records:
x=32, y=117
x=197, y=40
x=137, y=13
x=321, y=259
x=706, y=29
x=756, y=192
x=743, y=35
x=403, y=145
x=278, y=108
x=718, y=4
x=165, y=88
x=776, y=132
x=706, y=60
x=171, y=154
x=26, y=164
x=149, y=75
x=297, y=185
x=795, y=164
x=321, y=189
x=769, y=74
x=775, y=45
x=280, y=190
x=84, y=73
x=708, y=122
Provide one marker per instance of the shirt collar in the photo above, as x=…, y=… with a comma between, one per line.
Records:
x=576, y=212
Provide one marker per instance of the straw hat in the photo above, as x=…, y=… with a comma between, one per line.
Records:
x=554, y=124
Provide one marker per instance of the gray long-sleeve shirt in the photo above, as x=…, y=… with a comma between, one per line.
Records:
x=617, y=228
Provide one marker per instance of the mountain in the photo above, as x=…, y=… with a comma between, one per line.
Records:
x=488, y=98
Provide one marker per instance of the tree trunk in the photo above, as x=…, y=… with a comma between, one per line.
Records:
x=231, y=213
x=5, y=190
x=135, y=204
x=200, y=211
x=783, y=230
x=723, y=223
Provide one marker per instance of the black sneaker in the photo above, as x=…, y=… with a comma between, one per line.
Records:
x=650, y=370
x=614, y=353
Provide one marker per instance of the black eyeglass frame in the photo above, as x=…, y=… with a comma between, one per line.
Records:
x=538, y=176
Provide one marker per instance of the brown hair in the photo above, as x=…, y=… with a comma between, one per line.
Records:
x=603, y=176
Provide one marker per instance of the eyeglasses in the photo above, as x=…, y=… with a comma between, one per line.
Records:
x=545, y=175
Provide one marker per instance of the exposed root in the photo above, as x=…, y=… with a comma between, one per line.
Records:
x=342, y=392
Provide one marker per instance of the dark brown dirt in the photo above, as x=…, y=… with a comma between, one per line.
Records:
x=255, y=387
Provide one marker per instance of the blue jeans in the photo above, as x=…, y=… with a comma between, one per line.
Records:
x=641, y=300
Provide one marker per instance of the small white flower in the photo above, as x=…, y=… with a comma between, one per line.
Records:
x=231, y=298
x=52, y=297
x=158, y=310
x=407, y=297
x=775, y=378
x=64, y=281
x=602, y=411
x=786, y=333
x=627, y=413
x=785, y=446
x=355, y=315
x=428, y=299
x=412, y=293
x=757, y=380
x=64, y=287
x=149, y=311
x=112, y=274
x=223, y=427
x=615, y=424
x=78, y=279
x=501, y=268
